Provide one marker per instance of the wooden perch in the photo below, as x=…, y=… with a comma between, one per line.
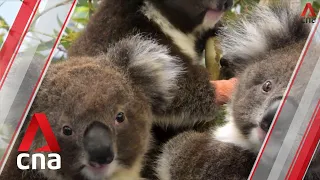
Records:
x=212, y=58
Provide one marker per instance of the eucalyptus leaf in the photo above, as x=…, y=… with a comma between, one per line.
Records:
x=4, y=24
x=316, y=6
x=82, y=2
x=80, y=20
x=1, y=39
x=59, y=21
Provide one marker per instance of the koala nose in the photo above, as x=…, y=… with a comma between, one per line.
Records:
x=289, y=109
x=98, y=144
x=224, y=5
x=269, y=114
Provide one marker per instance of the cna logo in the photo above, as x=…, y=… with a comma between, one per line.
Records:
x=39, y=120
x=311, y=18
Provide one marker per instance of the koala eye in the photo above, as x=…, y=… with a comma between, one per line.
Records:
x=67, y=130
x=267, y=86
x=120, y=117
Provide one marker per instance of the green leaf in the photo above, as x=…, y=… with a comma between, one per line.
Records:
x=82, y=2
x=80, y=9
x=81, y=20
x=68, y=30
x=56, y=32
x=67, y=39
x=316, y=6
x=59, y=21
x=4, y=24
x=1, y=39
x=46, y=45
x=2, y=152
x=81, y=12
x=39, y=54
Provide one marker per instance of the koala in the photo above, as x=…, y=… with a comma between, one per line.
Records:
x=182, y=26
x=262, y=50
x=100, y=110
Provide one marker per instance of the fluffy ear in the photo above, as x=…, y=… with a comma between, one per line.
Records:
x=263, y=29
x=149, y=66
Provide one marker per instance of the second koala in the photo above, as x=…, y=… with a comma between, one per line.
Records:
x=263, y=49
x=183, y=27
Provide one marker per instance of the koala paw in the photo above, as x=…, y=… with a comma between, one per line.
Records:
x=223, y=90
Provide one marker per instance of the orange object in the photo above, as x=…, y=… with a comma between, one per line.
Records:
x=224, y=90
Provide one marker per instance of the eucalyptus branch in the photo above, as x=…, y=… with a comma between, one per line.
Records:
x=42, y=33
x=37, y=16
x=35, y=38
x=2, y=3
x=91, y=9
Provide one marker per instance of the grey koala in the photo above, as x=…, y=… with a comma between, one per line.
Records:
x=100, y=111
x=262, y=50
x=181, y=25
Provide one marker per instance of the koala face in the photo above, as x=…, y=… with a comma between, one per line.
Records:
x=101, y=126
x=190, y=15
x=260, y=91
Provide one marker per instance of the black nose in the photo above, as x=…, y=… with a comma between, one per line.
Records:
x=269, y=114
x=224, y=5
x=289, y=108
x=98, y=143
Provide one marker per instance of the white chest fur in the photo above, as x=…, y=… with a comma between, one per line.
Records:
x=185, y=42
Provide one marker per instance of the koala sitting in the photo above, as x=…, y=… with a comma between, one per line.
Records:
x=181, y=25
x=100, y=111
x=263, y=49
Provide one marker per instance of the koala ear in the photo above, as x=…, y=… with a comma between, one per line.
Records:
x=149, y=66
x=265, y=28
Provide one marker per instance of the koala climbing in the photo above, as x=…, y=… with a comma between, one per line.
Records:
x=100, y=110
x=181, y=25
x=262, y=49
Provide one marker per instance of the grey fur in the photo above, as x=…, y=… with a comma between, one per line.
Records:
x=150, y=66
x=263, y=29
x=183, y=26
x=229, y=151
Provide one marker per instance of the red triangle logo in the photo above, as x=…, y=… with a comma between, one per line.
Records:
x=307, y=7
x=39, y=120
